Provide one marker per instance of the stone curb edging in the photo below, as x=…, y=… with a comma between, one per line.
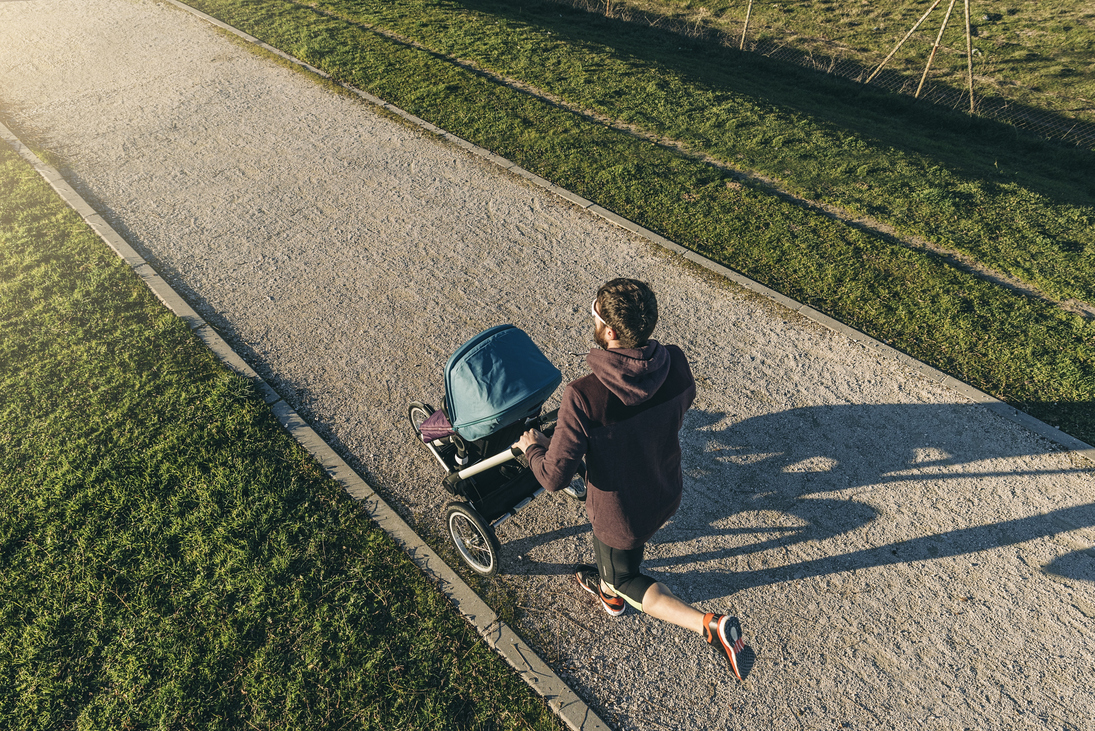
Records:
x=499, y=636
x=1054, y=434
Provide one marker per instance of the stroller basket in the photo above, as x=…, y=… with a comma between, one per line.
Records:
x=495, y=379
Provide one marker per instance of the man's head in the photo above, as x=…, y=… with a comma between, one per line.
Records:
x=628, y=308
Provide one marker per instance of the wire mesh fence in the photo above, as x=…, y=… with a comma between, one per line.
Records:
x=944, y=80
x=945, y=89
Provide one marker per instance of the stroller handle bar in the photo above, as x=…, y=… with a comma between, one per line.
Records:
x=547, y=426
x=482, y=466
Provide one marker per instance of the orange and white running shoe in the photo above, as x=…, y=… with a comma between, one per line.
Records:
x=590, y=580
x=723, y=632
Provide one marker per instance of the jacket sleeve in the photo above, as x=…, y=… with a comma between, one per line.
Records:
x=556, y=466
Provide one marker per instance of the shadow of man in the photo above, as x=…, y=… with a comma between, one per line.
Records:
x=855, y=477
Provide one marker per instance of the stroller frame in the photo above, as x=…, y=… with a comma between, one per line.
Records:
x=491, y=481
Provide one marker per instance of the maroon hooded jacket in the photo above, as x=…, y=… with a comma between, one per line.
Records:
x=624, y=418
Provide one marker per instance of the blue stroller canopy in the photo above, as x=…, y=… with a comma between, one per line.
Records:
x=496, y=378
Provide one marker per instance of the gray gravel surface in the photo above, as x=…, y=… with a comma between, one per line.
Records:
x=900, y=558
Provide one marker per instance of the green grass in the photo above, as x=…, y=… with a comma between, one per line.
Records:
x=1025, y=351
x=1024, y=208
x=171, y=558
x=1032, y=51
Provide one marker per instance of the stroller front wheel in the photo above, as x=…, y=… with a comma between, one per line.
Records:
x=417, y=413
x=473, y=538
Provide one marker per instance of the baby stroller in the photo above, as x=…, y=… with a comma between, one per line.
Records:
x=495, y=387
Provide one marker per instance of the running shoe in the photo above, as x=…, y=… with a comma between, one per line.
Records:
x=590, y=580
x=576, y=489
x=724, y=634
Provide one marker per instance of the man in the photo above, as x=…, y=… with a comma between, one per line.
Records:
x=624, y=418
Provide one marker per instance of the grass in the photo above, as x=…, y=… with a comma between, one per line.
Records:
x=1032, y=51
x=1026, y=208
x=171, y=558
x=866, y=151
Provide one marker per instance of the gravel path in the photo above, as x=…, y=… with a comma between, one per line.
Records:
x=900, y=558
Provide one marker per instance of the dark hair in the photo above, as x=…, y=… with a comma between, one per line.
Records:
x=630, y=308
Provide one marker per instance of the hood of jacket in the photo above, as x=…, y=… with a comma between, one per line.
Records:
x=632, y=374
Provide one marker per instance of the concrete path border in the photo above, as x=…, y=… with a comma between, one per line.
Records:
x=995, y=405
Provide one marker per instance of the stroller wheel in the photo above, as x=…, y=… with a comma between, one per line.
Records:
x=418, y=413
x=473, y=538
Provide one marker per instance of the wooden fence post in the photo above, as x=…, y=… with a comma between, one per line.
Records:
x=931, y=57
x=902, y=41
x=745, y=29
x=969, y=55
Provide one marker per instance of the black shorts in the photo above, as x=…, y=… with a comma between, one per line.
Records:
x=620, y=570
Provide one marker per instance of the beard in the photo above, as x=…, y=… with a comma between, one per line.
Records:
x=599, y=335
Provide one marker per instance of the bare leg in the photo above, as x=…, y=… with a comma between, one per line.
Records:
x=660, y=602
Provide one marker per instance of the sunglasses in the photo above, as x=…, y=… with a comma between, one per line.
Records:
x=593, y=309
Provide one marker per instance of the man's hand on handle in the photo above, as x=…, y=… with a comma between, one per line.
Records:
x=532, y=436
